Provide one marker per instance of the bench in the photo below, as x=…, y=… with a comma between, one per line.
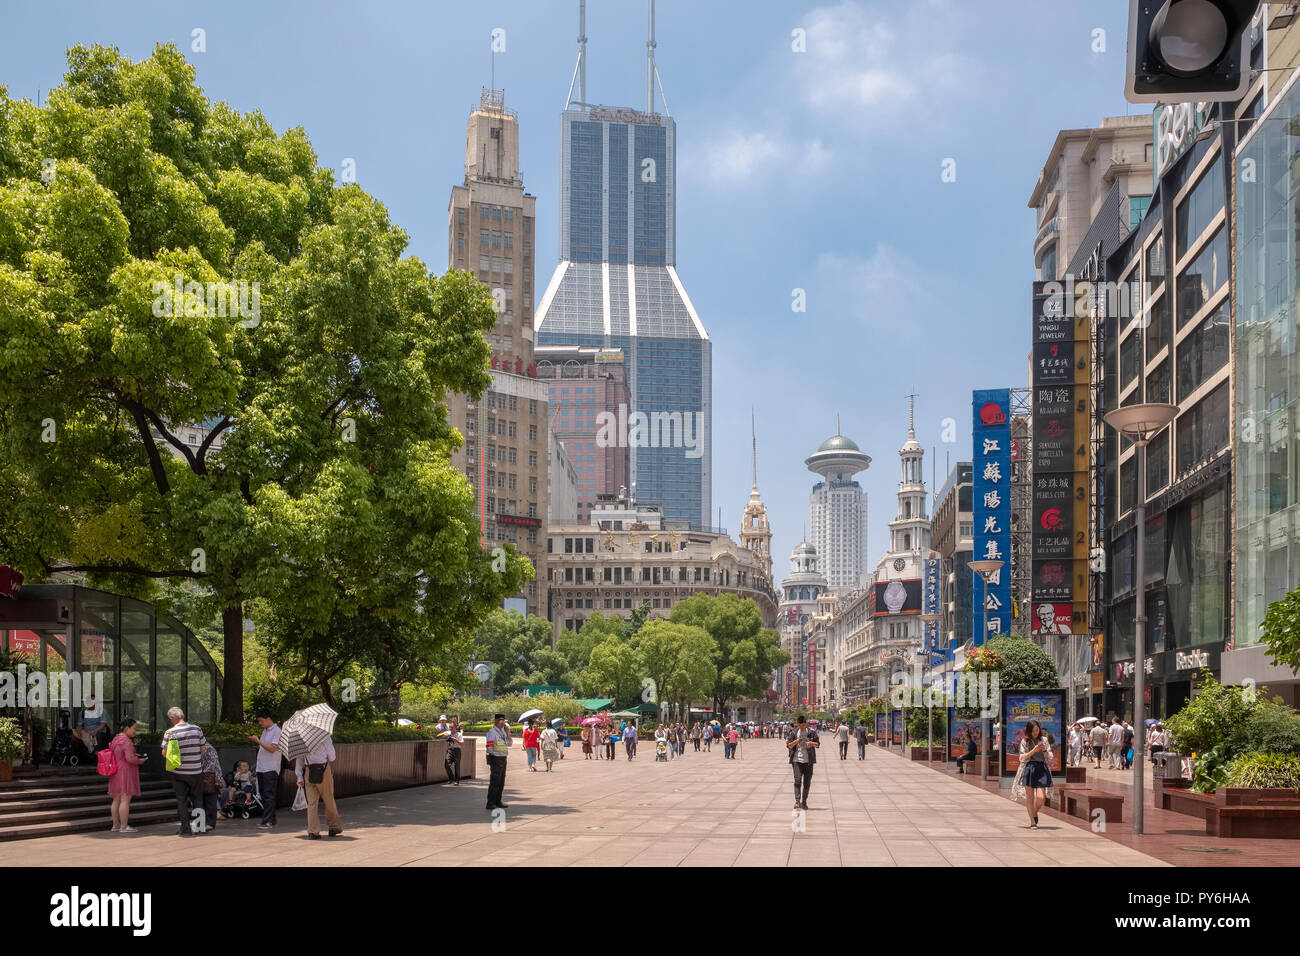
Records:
x=1276, y=819
x=1078, y=800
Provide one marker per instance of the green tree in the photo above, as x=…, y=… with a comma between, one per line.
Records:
x=678, y=658
x=613, y=670
x=331, y=497
x=1281, y=627
x=576, y=646
x=520, y=647
x=747, y=653
x=638, y=617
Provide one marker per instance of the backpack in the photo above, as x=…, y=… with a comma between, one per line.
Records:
x=107, y=764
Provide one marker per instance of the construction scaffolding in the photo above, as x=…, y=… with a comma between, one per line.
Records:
x=1022, y=513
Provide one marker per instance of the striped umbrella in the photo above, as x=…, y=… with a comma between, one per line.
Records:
x=305, y=730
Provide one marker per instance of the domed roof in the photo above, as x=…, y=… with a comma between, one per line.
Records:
x=803, y=547
x=838, y=443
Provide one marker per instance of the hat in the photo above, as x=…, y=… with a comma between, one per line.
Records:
x=442, y=716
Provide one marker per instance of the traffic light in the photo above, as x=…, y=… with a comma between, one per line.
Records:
x=1188, y=50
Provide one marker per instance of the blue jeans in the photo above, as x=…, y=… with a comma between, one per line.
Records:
x=726, y=749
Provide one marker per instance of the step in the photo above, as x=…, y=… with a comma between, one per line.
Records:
x=98, y=811
x=63, y=827
x=59, y=799
x=96, y=787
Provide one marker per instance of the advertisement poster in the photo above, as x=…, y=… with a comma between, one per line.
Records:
x=882, y=726
x=959, y=731
x=896, y=727
x=1021, y=706
x=898, y=596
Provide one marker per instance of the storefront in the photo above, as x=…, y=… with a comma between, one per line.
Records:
x=137, y=664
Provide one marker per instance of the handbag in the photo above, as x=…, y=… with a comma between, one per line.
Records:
x=209, y=781
x=173, y=757
x=316, y=772
x=107, y=763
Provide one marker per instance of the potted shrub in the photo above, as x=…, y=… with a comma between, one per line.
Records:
x=11, y=746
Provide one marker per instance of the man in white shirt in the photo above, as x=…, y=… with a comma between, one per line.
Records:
x=1113, y=741
x=842, y=738
x=267, y=767
x=323, y=754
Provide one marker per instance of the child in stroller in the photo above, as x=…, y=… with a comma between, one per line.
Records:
x=67, y=748
x=241, y=796
x=661, y=748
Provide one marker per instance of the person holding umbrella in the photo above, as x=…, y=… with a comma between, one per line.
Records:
x=305, y=739
x=455, y=740
x=497, y=745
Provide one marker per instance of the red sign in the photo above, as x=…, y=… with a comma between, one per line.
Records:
x=11, y=582
x=521, y=520
x=991, y=414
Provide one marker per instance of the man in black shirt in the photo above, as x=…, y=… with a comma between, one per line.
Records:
x=802, y=742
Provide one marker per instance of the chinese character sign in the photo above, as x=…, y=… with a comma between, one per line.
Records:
x=930, y=602
x=991, y=504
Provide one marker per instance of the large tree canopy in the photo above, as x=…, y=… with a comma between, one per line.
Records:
x=331, y=497
x=747, y=653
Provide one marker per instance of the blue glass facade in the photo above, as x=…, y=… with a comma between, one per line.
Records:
x=616, y=287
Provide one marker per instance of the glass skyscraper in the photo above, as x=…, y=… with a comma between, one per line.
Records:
x=616, y=286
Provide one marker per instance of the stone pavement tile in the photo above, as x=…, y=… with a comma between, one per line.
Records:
x=714, y=852
x=808, y=850
x=664, y=853
x=915, y=853
x=614, y=852
x=765, y=852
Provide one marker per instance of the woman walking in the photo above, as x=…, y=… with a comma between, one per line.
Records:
x=125, y=782
x=531, y=740
x=611, y=741
x=586, y=735
x=550, y=747
x=1034, y=778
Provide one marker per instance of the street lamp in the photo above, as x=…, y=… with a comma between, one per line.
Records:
x=927, y=620
x=1140, y=424
x=986, y=569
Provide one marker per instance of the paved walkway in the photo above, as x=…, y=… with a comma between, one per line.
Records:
x=698, y=810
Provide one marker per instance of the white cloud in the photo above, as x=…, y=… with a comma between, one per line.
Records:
x=738, y=158
x=884, y=287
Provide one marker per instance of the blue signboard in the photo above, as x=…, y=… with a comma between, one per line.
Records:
x=930, y=602
x=991, y=504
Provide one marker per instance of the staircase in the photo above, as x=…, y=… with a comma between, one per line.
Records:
x=56, y=800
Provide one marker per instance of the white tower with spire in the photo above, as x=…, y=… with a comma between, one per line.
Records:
x=755, y=532
x=837, y=511
x=910, y=531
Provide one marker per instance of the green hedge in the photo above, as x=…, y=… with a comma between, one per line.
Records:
x=1265, y=770
x=236, y=735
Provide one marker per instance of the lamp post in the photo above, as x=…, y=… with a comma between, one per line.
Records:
x=986, y=569
x=927, y=620
x=1140, y=424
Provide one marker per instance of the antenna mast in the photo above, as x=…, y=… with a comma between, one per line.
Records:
x=650, y=62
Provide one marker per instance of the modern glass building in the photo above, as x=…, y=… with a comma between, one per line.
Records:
x=145, y=664
x=1267, y=394
x=616, y=286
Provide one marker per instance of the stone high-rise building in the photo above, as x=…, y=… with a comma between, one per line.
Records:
x=490, y=231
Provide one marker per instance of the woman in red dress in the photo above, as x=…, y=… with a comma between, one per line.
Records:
x=124, y=784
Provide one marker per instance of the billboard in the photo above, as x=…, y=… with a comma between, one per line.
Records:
x=930, y=602
x=959, y=731
x=896, y=727
x=882, y=726
x=991, y=504
x=898, y=596
x=1021, y=706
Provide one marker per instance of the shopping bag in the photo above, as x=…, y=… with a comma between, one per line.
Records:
x=300, y=801
x=173, y=754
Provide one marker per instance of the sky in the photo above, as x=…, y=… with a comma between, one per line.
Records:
x=818, y=170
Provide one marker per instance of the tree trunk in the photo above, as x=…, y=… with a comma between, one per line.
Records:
x=232, y=684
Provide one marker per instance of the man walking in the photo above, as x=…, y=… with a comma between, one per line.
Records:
x=455, y=740
x=497, y=746
x=862, y=741
x=1115, y=738
x=802, y=742
x=267, y=766
x=316, y=775
x=1126, y=744
x=1097, y=738
x=187, y=776
x=842, y=738
x=629, y=740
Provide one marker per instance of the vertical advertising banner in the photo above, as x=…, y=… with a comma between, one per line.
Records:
x=930, y=602
x=960, y=731
x=1062, y=417
x=896, y=727
x=882, y=727
x=991, y=504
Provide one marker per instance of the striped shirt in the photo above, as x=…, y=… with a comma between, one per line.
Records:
x=191, y=742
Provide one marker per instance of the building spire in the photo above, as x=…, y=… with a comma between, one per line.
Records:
x=753, y=436
x=650, y=61
x=911, y=415
x=837, y=423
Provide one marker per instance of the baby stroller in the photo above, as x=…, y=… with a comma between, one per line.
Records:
x=66, y=749
x=245, y=801
x=661, y=750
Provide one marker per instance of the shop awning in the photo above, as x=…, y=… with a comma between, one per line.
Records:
x=597, y=703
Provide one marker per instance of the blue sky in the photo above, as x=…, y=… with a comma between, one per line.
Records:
x=817, y=170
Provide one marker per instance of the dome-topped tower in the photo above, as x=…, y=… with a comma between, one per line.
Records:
x=910, y=531
x=755, y=532
x=837, y=510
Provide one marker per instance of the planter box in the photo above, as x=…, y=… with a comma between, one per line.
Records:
x=1253, y=796
x=1184, y=801
x=6, y=769
x=926, y=753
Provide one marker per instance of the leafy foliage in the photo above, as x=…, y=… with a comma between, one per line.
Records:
x=678, y=658
x=1018, y=663
x=1216, y=716
x=1281, y=627
x=520, y=647
x=747, y=653
x=1264, y=770
x=11, y=738
x=331, y=498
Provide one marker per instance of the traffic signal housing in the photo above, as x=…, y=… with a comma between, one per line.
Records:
x=1188, y=50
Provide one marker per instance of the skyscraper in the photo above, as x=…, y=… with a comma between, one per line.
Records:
x=616, y=286
x=837, y=511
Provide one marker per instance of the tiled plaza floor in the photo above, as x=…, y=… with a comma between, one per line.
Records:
x=698, y=810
